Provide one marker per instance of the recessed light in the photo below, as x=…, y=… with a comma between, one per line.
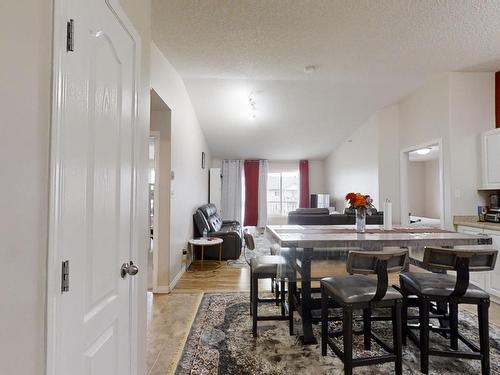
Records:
x=424, y=151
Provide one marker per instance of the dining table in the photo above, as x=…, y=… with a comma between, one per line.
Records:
x=302, y=245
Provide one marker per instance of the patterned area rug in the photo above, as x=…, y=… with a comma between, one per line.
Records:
x=221, y=342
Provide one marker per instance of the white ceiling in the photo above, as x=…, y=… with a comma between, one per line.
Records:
x=369, y=54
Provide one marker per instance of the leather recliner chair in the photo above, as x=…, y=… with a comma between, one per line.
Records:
x=207, y=217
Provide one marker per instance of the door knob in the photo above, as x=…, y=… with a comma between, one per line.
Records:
x=129, y=269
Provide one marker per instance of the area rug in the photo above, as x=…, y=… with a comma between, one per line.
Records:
x=221, y=342
x=262, y=247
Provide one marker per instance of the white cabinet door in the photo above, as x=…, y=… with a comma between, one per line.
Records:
x=477, y=278
x=493, y=279
x=491, y=159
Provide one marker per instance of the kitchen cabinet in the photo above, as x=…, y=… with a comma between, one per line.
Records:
x=477, y=278
x=490, y=163
x=488, y=281
x=493, y=277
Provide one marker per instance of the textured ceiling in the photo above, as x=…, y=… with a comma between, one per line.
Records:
x=369, y=54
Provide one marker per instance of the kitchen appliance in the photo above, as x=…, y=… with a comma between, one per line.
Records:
x=494, y=201
x=481, y=212
x=320, y=200
x=493, y=215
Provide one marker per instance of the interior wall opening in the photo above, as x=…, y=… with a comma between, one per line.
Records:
x=422, y=186
x=159, y=195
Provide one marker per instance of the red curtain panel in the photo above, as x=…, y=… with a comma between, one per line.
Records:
x=497, y=99
x=304, y=184
x=251, y=192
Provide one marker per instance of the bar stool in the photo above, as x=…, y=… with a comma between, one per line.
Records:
x=264, y=267
x=451, y=290
x=360, y=291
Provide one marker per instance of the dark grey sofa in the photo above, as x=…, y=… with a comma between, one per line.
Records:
x=322, y=216
x=207, y=217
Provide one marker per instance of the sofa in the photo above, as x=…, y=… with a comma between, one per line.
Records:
x=207, y=217
x=322, y=216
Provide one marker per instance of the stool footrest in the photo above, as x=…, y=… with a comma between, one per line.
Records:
x=455, y=354
x=272, y=317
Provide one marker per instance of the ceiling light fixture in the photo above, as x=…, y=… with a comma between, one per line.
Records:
x=424, y=151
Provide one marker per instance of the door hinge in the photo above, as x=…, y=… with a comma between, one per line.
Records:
x=69, y=35
x=65, y=276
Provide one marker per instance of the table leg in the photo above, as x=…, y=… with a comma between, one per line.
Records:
x=220, y=252
x=308, y=336
x=202, y=250
x=292, y=287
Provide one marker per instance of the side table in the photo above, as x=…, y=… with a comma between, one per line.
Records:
x=209, y=241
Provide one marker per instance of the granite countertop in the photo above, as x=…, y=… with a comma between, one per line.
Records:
x=471, y=221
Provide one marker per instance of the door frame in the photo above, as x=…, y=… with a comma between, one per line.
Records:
x=404, y=159
x=156, y=203
x=137, y=302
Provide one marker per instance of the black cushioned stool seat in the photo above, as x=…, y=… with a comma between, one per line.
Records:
x=438, y=284
x=435, y=292
x=266, y=264
x=360, y=291
x=356, y=289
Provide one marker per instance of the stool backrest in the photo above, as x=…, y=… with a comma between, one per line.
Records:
x=479, y=259
x=368, y=262
x=462, y=261
x=379, y=263
x=249, y=242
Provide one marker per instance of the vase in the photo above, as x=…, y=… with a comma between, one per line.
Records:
x=360, y=220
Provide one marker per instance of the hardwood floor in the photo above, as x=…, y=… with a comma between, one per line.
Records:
x=170, y=316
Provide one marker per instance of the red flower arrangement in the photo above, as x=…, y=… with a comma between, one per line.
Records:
x=358, y=200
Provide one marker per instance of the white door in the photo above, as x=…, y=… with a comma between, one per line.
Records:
x=93, y=193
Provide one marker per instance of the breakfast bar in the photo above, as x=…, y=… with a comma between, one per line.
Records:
x=300, y=245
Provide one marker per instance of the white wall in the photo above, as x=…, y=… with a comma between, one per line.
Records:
x=190, y=185
x=423, y=188
x=455, y=108
x=387, y=120
x=317, y=177
x=416, y=188
x=25, y=89
x=354, y=166
x=432, y=198
x=472, y=111
x=424, y=117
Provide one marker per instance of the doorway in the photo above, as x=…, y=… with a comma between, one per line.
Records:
x=422, y=192
x=159, y=195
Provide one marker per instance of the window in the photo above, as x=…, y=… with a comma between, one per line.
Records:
x=282, y=193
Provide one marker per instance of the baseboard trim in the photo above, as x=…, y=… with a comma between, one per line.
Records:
x=162, y=290
x=177, y=278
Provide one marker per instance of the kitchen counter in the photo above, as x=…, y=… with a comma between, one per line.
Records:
x=471, y=221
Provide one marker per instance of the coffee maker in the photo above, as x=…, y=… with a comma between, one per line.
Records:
x=493, y=214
